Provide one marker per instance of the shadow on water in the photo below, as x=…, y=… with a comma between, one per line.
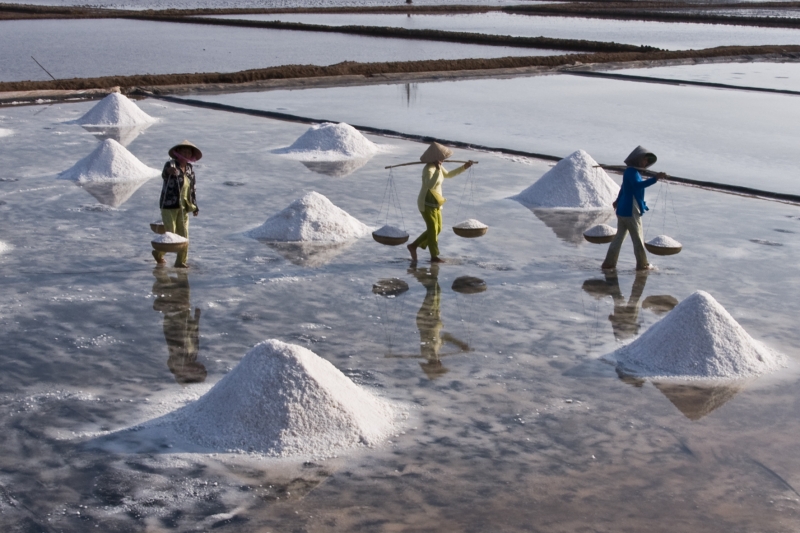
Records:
x=112, y=194
x=625, y=318
x=336, y=169
x=569, y=224
x=124, y=136
x=695, y=401
x=311, y=255
x=181, y=326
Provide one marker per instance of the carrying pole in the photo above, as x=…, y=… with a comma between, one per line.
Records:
x=421, y=163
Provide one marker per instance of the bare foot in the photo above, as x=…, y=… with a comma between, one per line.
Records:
x=437, y=260
x=413, y=251
x=648, y=266
x=606, y=266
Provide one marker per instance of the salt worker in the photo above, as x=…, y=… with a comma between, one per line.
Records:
x=630, y=207
x=430, y=199
x=178, y=197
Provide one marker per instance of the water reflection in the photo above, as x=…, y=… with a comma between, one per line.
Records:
x=112, y=193
x=311, y=255
x=625, y=318
x=181, y=326
x=336, y=169
x=409, y=92
x=569, y=224
x=660, y=304
x=124, y=136
x=695, y=401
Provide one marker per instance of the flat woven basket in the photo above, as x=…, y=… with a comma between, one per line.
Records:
x=168, y=247
x=389, y=241
x=605, y=239
x=158, y=227
x=470, y=233
x=662, y=250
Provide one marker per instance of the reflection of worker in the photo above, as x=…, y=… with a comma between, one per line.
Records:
x=181, y=329
x=178, y=197
x=430, y=199
x=625, y=318
x=429, y=323
x=630, y=207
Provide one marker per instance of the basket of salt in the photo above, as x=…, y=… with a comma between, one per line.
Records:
x=169, y=242
x=470, y=229
x=390, y=235
x=158, y=227
x=663, y=245
x=600, y=234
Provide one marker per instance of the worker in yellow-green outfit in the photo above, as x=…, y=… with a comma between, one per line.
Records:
x=430, y=199
x=178, y=196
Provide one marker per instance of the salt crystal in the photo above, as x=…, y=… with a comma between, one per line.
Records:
x=310, y=218
x=575, y=182
x=115, y=110
x=600, y=230
x=109, y=162
x=662, y=241
x=698, y=339
x=390, y=231
x=169, y=238
x=471, y=223
x=330, y=142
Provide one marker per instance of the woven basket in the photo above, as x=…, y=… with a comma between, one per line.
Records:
x=389, y=241
x=605, y=239
x=158, y=227
x=468, y=285
x=168, y=247
x=662, y=250
x=470, y=233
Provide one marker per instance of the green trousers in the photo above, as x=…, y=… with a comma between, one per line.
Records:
x=175, y=221
x=625, y=225
x=433, y=227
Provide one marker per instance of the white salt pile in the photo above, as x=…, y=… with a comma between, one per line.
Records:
x=109, y=162
x=600, y=230
x=115, y=110
x=573, y=183
x=310, y=218
x=698, y=339
x=330, y=142
x=390, y=231
x=471, y=223
x=284, y=400
x=662, y=241
x=169, y=238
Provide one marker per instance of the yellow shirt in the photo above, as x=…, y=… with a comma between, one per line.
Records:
x=432, y=179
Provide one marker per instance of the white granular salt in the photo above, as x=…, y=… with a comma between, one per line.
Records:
x=158, y=222
x=471, y=223
x=109, y=162
x=169, y=238
x=390, y=231
x=662, y=241
x=698, y=339
x=600, y=230
x=574, y=182
x=284, y=400
x=310, y=218
x=330, y=142
x=115, y=110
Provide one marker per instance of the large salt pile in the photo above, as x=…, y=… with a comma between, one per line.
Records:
x=284, y=400
x=330, y=142
x=574, y=182
x=312, y=218
x=109, y=162
x=698, y=339
x=115, y=110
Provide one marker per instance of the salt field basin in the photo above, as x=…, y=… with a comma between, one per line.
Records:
x=512, y=418
x=167, y=48
x=781, y=76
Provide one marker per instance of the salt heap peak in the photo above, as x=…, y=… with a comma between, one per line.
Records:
x=574, y=182
x=284, y=400
x=115, y=110
x=698, y=339
x=110, y=162
x=312, y=218
x=331, y=142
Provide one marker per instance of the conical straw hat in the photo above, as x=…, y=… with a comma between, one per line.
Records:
x=196, y=153
x=436, y=152
x=640, y=151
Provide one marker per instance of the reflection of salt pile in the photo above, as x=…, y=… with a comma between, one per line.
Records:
x=698, y=339
x=573, y=183
x=284, y=400
x=331, y=142
x=5, y=132
x=4, y=247
x=312, y=218
x=115, y=110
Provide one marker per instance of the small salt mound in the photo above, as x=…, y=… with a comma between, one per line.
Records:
x=109, y=162
x=471, y=223
x=390, y=231
x=698, y=339
x=170, y=238
x=331, y=142
x=662, y=241
x=115, y=110
x=573, y=183
x=5, y=132
x=284, y=400
x=600, y=230
x=310, y=218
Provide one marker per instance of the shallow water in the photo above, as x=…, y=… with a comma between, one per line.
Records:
x=783, y=76
x=514, y=423
x=670, y=36
x=168, y=48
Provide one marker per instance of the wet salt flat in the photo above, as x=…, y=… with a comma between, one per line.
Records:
x=513, y=423
x=706, y=134
x=784, y=76
x=167, y=48
x=668, y=36
x=213, y=4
